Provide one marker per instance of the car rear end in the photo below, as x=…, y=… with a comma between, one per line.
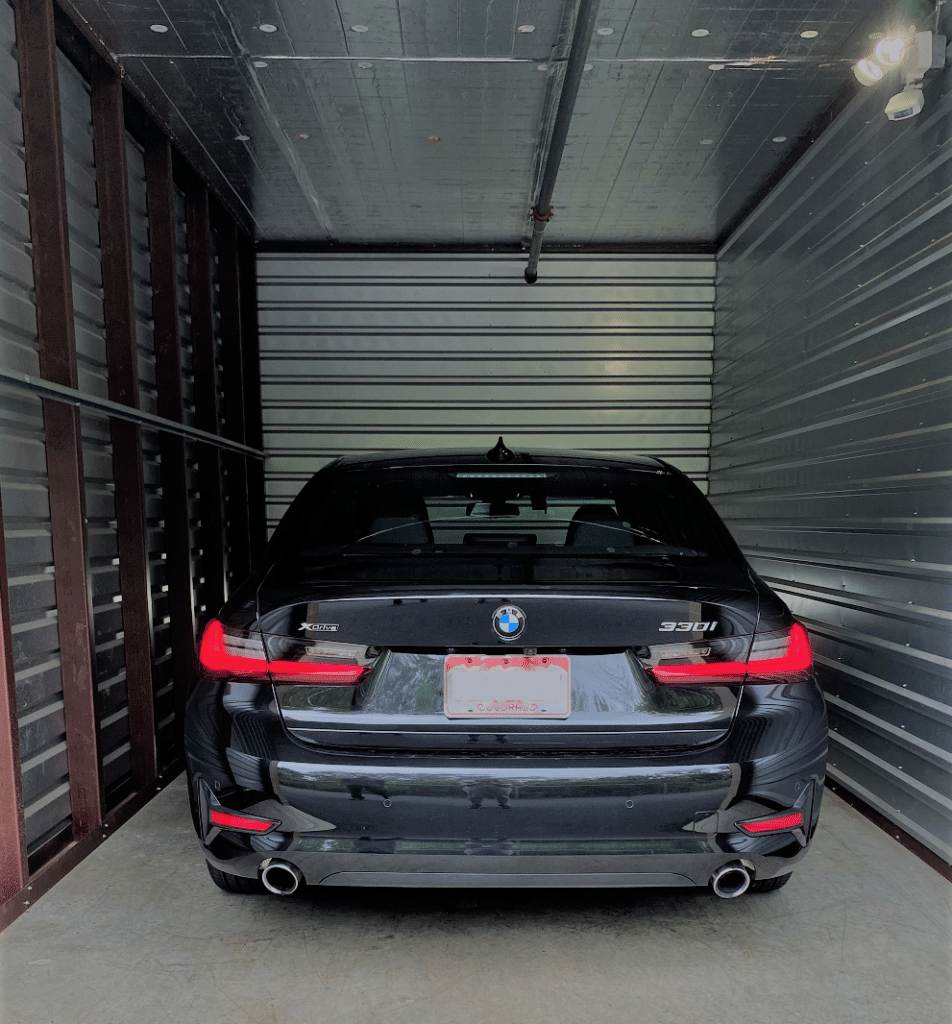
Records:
x=464, y=706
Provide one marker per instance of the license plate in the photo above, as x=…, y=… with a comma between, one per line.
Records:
x=478, y=686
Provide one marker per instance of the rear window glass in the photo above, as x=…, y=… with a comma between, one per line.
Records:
x=552, y=513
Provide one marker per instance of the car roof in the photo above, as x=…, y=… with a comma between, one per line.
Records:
x=478, y=456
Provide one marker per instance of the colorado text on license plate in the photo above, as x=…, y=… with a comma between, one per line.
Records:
x=493, y=686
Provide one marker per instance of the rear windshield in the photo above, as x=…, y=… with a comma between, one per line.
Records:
x=557, y=515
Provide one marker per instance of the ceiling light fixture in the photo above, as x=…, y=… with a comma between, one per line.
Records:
x=868, y=72
x=715, y=67
x=707, y=142
x=700, y=33
x=161, y=29
x=242, y=138
x=359, y=28
x=811, y=33
x=259, y=63
x=604, y=31
x=779, y=138
x=267, y=28
x=913, y=55
x=542, y=67
x=890, y=52
x=587, y=67
x=524, y=29
x=364, y=64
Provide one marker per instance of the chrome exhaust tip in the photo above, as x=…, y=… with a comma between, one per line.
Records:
x=280, y=878
x=731, y=880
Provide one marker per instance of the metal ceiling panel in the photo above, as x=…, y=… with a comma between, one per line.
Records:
x=398, y=123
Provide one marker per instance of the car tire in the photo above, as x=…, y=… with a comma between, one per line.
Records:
x=235, y=883
x=769, y=884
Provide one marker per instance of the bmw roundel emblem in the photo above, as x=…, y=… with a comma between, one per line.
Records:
x=509, y=621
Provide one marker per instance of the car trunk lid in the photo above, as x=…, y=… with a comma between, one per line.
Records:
x=600, y=639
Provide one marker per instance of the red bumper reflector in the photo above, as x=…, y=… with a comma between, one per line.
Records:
x=225, y=819
x=781, y=824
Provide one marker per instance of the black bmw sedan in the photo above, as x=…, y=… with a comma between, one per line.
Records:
x=532, y=668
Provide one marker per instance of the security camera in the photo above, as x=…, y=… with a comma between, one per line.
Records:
x=904, y=104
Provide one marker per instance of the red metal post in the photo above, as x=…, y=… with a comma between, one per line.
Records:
x=113, y=197
x=46, y=185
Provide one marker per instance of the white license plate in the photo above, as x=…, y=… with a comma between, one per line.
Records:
x=514, y=686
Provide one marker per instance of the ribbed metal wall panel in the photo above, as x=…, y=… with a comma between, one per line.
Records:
x=831, y=441
x=26, y=503
x=83, y=214
x=33, y=618
x=17, y=313
x=375, y=352
x=106, y=601
x=141, y=274
x=89, y=316
x=95, y=555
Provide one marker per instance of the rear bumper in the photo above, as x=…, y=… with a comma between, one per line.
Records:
x=591, y=820
x=606, y=826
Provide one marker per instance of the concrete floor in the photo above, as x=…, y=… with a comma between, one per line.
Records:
x=138, y=934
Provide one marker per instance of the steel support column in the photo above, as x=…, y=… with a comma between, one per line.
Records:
x=201, y=299
x=46, y=185
x=116, y=246
x=168, y=373
x=229, y=302
x=251, y=382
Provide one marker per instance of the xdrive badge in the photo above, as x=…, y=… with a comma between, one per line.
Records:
x=509, y=621
x=321, y=627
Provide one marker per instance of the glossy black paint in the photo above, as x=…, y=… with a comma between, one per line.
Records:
x=641, y=785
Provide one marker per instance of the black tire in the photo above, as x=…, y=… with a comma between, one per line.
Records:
x=235, y=883
x=769, y=884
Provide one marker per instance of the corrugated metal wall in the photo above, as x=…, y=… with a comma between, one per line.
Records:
x=99, y=491
x=362, y=352
x=831, y=440
x=100, y=501
x=25, y=492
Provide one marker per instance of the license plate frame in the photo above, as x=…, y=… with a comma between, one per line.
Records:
x=507, y=686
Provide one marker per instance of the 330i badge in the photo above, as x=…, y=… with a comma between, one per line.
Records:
x=504, y=669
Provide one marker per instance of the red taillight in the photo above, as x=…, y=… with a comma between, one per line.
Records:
x=238, y=822
x=783, y=823
x=714, y=673
x=240, y=654
x=773, y=658
x=231, y=654
x=317, y=673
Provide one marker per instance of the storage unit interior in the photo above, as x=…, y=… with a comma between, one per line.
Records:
x=298, y=230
